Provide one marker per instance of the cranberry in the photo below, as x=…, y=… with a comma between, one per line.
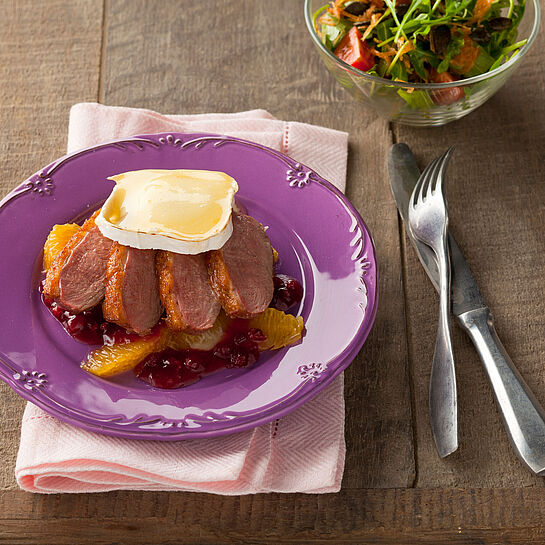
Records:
x=75, y=324
x=118, y=335
x=173, y=357
x=167, y=376
x=195, y=362
x=240, y=338
x=287, y=292
x=144, y=368
x=256, y=335
x=93, y=326
x=89, y=326
x=244, y=356
x=166, y=370
x=57, y=311
x=239, y=358
x=108, y=333
x=223, y=352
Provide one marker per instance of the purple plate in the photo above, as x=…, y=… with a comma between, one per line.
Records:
x=321, y=239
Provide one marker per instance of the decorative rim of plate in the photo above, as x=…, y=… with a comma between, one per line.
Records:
x=31, y=385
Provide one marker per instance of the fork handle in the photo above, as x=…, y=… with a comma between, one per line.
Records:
x=522, y=414
x=443, y=399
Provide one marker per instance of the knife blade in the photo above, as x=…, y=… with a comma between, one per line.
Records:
x=404, y=174
x=523, y=416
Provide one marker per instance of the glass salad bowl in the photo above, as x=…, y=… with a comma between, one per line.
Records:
x=419, y=104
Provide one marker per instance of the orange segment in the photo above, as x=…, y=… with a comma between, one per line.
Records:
x=202, y=341
x=56, y=241
x=112, y=360
x=465, y=60
x=281, y=329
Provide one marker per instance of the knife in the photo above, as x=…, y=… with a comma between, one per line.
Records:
x=522, y=414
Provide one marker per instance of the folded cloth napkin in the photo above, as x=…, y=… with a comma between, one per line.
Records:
x=301, y=452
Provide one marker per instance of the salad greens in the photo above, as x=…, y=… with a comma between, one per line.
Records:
x=422, y=41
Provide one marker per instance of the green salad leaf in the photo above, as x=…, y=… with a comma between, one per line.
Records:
x=417, y=22
x=453, y=48
x=334, y=30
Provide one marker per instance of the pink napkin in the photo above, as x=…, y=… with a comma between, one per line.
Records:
x=302, y=452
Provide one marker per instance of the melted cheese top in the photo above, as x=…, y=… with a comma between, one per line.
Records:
x=188, y=207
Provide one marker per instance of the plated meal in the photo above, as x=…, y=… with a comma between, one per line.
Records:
x=189, y=313
x=170, y=280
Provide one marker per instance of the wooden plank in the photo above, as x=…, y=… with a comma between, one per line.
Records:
x=50, y=56
x=496, y=192
x=405, y=517
x=258, y=55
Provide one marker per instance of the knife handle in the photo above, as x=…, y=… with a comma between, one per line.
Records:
x=523, y=416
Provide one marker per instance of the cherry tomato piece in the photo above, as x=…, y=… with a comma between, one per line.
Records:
x=355, y=52
x=444, y=97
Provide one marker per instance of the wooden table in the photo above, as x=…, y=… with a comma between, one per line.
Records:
x=192, y=57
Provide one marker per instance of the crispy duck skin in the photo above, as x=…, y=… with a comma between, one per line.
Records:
x=112, y=306
x=189, y=302
x=223, y=287
x=132, y=294
x=166, y=290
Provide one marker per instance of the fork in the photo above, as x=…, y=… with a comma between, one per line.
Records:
x=428, y=222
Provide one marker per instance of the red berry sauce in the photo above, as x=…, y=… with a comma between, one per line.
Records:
x=176, y=368
x=89, y=326
x=287, y=292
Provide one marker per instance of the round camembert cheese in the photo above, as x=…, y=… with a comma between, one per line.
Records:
x=183, y=211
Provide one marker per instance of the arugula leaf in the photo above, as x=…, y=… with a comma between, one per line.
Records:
x=454, y=47
x=415, y=4
x=333, y=34
x=418, y=100
x=383, y=31
x=392, y=5
x=497, y=62
x=457, y=7
x=418, y=58
x=503, y=57
x=398, y=71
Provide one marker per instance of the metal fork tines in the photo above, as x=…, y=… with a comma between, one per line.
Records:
x=428, y=221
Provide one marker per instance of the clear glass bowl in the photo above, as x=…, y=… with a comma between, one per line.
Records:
x=384, y=96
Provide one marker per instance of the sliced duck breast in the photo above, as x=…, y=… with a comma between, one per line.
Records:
x=241, y=273
x=76, y=277
x=132, y=291
x=185, y=292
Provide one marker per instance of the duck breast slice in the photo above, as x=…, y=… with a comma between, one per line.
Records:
x=241, y=273
x=132, y=291
x=76, y=277
x=188, y=299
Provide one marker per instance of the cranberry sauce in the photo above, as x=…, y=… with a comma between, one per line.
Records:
x=287, y=292
x=174, y=369
x=89, y=326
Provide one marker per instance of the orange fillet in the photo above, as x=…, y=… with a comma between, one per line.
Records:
x=57, y=240
x=205, y=340
x=107, y=361
x=281, y=329
x=51, y=284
